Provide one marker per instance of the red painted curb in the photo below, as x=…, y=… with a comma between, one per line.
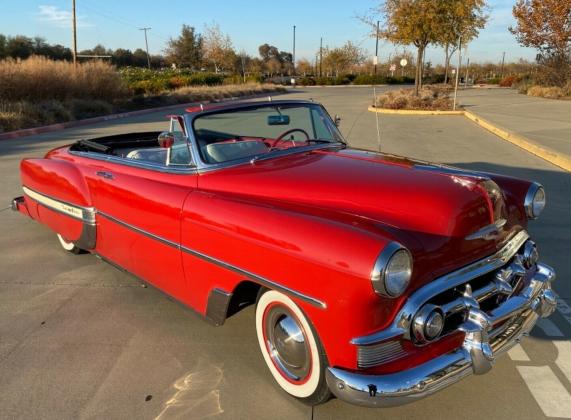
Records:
x=10, y=135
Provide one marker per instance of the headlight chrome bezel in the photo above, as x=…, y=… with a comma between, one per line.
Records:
x=379, y=273
x=530, y=201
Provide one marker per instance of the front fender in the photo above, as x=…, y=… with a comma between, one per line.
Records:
x=323, y=258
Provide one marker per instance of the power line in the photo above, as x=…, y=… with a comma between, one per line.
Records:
x=122, y=21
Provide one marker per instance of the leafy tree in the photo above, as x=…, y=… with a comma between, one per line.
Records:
x=424, y=22
x=413, y=22
x=459, y=18
x=186, y=50
x=546, y=26
x=341, y=60
x=217, y=48
x=543, y=24
x=268, y=52
x=140, y=58
x=304, y=67
x=2, y=46
x=19, y=47
x=122, y=57
x=273, y=66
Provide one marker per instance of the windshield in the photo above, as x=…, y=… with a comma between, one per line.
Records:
x=262, y=131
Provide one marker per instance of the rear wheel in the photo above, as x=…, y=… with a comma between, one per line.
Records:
x=291, y=348
x=68, y=246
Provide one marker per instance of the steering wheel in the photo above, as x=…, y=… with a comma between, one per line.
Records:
x=291, y=131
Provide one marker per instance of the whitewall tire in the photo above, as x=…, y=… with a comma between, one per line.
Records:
x=68, y=246
x=290, y=347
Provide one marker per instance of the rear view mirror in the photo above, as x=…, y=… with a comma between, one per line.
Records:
x=278, y=119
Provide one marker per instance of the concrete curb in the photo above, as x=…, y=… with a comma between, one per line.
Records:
x=412, y=112
x=10, y=135
x=558, y=159
x=550, y=155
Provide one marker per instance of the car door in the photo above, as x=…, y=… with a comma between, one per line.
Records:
x=138, y=218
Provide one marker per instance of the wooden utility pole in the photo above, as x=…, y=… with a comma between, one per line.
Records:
x=376, y=60
x=74, y=25
x=147, y=46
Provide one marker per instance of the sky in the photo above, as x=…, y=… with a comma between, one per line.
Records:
x=115, y=24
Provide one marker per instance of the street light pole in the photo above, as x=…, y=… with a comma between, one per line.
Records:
x=503, y=60
x=293, y=56
x=376, y=60
x=74, y=26
x=147, y=46
x=458, y=70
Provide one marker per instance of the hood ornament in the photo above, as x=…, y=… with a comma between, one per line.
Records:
x=489, y=232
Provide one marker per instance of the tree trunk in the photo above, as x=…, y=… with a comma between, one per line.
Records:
x=446, y=62
x=418, y=74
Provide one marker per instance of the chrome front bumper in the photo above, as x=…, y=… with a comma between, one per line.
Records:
x=487, y=336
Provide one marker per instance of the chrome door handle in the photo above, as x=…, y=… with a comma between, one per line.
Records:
x=104, y=174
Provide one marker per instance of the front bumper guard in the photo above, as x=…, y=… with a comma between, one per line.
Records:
x=487, y=336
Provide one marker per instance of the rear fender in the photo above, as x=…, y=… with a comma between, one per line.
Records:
x=55, y=194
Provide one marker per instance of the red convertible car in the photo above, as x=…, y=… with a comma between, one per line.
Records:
x=377, y=278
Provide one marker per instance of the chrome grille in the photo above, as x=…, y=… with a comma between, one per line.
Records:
x=487, y=292
x=369, y=356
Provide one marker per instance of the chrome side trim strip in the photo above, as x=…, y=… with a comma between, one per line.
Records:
x=262, y=280
x=401, y=323
x=88, y=237
x=488, y=232
x=85, y=214
x=139, y=230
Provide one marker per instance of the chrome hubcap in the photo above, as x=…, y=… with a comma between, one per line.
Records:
x=287, y=344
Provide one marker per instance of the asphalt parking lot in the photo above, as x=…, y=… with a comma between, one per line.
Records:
x=80, y=339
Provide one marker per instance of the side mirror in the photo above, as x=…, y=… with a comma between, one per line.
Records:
x=337, y=120
x=166, y=139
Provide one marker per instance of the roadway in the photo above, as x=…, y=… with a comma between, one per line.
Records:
x=80, y=339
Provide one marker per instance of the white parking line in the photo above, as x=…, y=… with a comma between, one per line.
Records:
x=564, y=309
x=549, y=393
x=563, y=360
x=549, y=327
x=518, y=354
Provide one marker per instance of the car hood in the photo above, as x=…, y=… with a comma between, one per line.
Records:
x=431, y=209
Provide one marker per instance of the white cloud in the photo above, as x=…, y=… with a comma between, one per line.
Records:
x=55, y=16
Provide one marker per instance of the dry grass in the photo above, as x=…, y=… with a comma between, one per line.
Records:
x=431, y=97
x=39, y=91
x=15, y=115
x=550, y=92
x=42, y=79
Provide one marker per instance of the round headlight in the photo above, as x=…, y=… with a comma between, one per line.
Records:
x=393, y=270
x=534, y=201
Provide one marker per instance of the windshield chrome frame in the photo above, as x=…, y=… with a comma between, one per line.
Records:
x=206, y=167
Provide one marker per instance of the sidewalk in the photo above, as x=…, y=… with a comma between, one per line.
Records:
x=546, y=122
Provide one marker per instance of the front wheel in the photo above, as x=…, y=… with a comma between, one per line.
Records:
x=68, y=246
x=291, y=349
